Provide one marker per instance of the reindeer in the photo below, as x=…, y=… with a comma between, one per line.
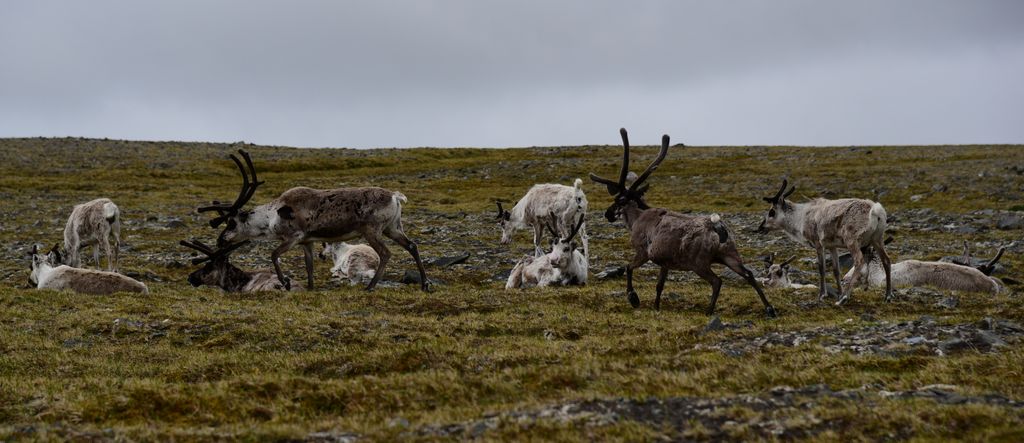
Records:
x=820, y=223
x=942, y=275
x=567, y=202
x=358, y=263
x=672, y=240
x=563, y=266
x=219, y=272
x=778, y=275
x=90, y=224
x=303, y=216
x=48, y=273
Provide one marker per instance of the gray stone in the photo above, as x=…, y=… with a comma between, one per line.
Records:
x=954, y=344
x=1010, y=221
x=914, y=340
x=991, y=339
x=611, y=272
x=949, y=302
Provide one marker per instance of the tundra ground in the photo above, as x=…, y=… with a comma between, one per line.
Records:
x=473, y=361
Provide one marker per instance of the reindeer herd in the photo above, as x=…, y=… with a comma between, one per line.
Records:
x=671, y=240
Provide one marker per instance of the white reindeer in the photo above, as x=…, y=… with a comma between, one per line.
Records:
x=778, y=275
x=567, y=202
x=48, y=273
x=90, y=224
x=304, y=216
x=846, y=223
x=563, y=266
x=357, y=263
x=914, y=273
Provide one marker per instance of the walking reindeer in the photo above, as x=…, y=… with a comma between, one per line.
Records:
x=218, y=271
x=822, y=224
x=568, y=203
x=304, y=216
x=91, y=224
x=672, y=240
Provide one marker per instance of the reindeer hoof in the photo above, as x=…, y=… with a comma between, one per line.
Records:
x=843, y=300
x=426, y=287
x=889, y=297
x=634, y=300
x=287, y=284
x=771, y=312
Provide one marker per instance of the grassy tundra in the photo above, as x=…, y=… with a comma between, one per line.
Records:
x=473, y=361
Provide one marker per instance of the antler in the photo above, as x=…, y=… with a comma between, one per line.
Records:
x=780, y=194
x=654, y=165
x=244, y=195
x=576, y=228
x=209, y=252
x=987, y=268
x=552, y=228
x=617, y=187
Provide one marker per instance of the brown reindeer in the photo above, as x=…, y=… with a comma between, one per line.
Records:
x=219, y=272
x=304, y=216
x=670, y=239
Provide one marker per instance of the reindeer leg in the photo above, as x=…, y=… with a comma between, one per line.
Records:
x=638, y=260
x=409, y=245
x=822, y=292
x=736, y=264
x=538, y=234
x=307, y=252
x=660, y=287
x=716, y=287
x=117, y=244
x=275, y=258
x=106, y=252
x=836, y=272
x=858, y=261
x=887, y=266
x=373, y=240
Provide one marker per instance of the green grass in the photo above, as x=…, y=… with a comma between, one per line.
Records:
x=198, y=364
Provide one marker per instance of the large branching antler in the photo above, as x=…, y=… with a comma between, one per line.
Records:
x=613, y=186
x=637, y=188
x=654, y=165
x=225, y=210
x=782, y=194
x=209, y=252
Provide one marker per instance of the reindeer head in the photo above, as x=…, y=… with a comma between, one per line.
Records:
x=778, y=273
x=217, y=270
x=241, y=225
x=562, y=248
x=50, y=259
x=779, y=209
x=504, y=221
x=634, y=193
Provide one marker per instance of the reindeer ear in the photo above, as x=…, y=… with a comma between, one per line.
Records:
x=35, y=249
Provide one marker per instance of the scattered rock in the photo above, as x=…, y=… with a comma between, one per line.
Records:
x=714, y=325
x=949, y=302
x=175, y=224
x=611, y=272
x=1010, y=221
x=445, y=262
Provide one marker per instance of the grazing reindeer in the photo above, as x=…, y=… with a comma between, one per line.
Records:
x=567, y=202
x=563, y=266
x=942, y=275
x=846, y=223
x=778, y=275
x=358, y=263
x=219, y=272
x=91, y=224
x=48, y=273
x=303, y=216
x=670, y=239
x=966, y=259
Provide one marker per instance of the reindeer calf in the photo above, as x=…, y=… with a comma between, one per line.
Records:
x=219, y=272
x=357, y=263
x=778, y=276
x=90, y=224
x=48, y=273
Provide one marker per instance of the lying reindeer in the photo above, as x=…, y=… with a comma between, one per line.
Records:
x=777, y=275
x=965, y=259
x=48, y=273
x=670, y=239
x=219, y=272
x=357, y=263
x=914, y=273
x=563, y=266
x=304, y=216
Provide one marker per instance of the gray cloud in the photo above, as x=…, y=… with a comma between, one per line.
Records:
x=496, y=73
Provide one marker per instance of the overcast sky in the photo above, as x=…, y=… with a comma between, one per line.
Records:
x=514, y=73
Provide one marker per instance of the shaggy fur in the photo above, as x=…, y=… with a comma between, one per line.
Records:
x=47, y=274
x=304, y=216
x=358, y=263
x=912, y=273
x=672, y=240
x=831, y=224
x=566, y=202
x=91, y=224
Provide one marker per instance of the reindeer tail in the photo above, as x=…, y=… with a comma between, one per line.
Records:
x=720, y=228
